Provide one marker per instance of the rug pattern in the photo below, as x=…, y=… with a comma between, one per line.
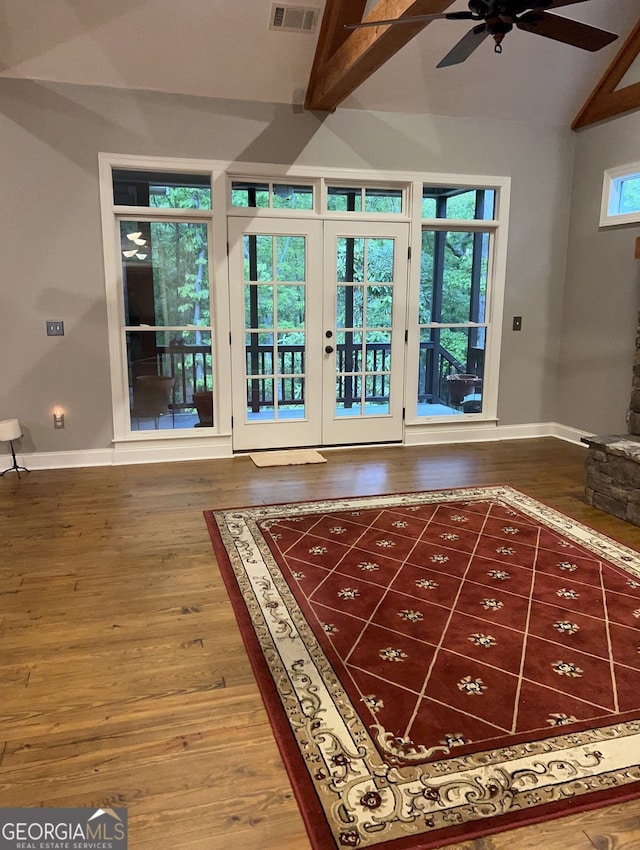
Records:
x=450, y=663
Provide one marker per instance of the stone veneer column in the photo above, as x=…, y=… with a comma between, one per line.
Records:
x=613, y=463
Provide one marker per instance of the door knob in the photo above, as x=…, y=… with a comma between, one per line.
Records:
x=328, y=349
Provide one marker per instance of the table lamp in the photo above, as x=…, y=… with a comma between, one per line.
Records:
x=10, y=430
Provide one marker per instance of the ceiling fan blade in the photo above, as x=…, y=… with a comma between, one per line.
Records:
x=564, y=29
x=415, y=19
x=465, y=47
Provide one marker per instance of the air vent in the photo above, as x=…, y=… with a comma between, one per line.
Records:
x=294, y=18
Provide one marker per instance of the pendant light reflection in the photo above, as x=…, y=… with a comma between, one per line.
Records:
x=136, y=239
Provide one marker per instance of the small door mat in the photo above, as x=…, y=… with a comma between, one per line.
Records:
x=287, y=458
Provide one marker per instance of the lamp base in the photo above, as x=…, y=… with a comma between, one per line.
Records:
x=14, y=467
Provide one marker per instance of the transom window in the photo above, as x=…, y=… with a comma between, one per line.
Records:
x=161, y=189
x=456, y=203
x=271, y=195
x=368, y=199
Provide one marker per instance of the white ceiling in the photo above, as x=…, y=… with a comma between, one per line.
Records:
x=224, y=48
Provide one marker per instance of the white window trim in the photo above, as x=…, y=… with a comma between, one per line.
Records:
x=219, y=288
x=610, y=183
x=498, y=227
x=222, y=173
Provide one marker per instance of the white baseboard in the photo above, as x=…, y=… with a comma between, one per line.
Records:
x=571, y=435
x=129, y=453
x=429, y=435
x=213, y=448
x=157, y=452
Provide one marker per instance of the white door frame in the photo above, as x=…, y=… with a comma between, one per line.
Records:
x=319, y=423
x=341, y=429
x=281, y=431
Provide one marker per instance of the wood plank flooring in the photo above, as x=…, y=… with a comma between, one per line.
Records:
x=123, y=677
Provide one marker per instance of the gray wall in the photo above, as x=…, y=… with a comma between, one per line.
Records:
x=51, y=251
x=602, y=290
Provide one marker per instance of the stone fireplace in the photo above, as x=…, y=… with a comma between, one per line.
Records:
x=613, y=462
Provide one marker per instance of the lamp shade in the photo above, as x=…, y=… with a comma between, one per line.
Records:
x=10, y=429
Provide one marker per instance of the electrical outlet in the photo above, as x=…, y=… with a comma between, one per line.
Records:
x=517, y=323
x=58, y=421
x=55, y=328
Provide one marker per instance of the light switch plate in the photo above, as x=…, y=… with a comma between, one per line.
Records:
x=55, y=328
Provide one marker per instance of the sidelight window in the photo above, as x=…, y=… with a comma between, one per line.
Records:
x=455, y=267
x=165, y=336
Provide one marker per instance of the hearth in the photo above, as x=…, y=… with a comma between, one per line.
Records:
x=613, y=462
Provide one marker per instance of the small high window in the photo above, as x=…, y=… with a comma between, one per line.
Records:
x=621, y=195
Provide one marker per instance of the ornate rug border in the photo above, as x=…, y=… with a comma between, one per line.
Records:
x=299, y=688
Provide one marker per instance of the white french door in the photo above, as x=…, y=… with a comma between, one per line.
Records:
x=365, y=286
x=317, y=330
x=275, y=284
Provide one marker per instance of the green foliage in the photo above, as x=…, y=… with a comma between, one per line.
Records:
x=457, y=204
x=180, y=273
x=182, y=198
x=446, y=283
x=629, y=195
x=384, y=201
x=278, y=195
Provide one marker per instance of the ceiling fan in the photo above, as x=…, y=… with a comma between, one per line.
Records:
x=498, y=17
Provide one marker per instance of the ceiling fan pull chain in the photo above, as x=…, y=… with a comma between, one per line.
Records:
x=497, y=48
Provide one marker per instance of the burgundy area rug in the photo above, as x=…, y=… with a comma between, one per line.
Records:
x=441, y=665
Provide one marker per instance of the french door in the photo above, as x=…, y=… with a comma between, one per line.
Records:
x=317, y=331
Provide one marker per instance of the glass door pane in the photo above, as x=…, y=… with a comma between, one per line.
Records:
x=272, y=264
x=274, y=312
x=364, y=299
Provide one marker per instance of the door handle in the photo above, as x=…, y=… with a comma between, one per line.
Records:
x=328, y=349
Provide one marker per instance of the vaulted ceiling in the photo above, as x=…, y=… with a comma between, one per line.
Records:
x=346, y=57
x=225, y=49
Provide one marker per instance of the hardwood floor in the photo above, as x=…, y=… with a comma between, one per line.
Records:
x=123, y=678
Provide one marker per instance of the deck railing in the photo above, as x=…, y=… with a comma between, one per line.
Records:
x=191, y=368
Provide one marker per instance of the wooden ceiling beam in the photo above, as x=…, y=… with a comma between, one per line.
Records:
x=332, y=29
x=341, y=64
x=605, y=101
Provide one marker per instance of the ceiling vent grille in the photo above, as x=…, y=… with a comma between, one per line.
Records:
x=294, y=18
